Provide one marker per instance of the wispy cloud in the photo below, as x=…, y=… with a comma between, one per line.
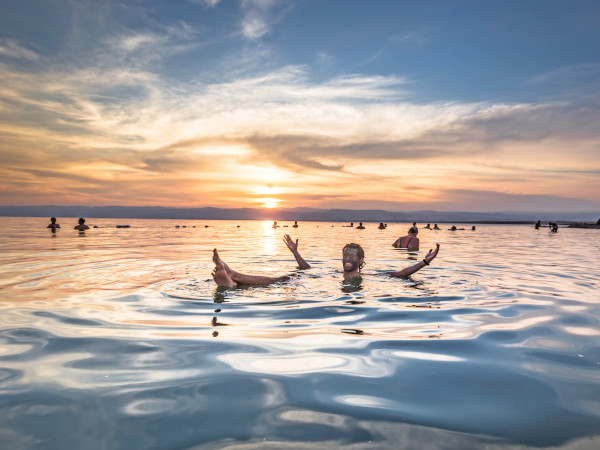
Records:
x=258, y=17
x=12, y=49
x=207, y=3
x=579, y=81
x=417, y=38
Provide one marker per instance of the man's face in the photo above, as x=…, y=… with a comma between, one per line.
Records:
x=351, y=260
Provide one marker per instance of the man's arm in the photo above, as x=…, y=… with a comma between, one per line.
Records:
x=412, y=269
x=293, y=246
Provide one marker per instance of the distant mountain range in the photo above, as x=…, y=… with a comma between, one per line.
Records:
x=300, y=214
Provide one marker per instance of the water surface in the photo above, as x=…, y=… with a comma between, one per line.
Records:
x=118, y=338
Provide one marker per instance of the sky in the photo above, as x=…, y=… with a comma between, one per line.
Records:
x=358, y=104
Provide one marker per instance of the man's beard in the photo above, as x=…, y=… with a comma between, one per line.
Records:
x=351, y=269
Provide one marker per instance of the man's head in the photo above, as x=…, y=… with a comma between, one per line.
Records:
x=53, y=219
x=81, y=221
x=353, y=257
x=413, y=230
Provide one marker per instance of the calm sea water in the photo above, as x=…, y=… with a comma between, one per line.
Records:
x=119, y=338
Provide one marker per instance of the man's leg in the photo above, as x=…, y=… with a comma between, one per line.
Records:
x=241, y=278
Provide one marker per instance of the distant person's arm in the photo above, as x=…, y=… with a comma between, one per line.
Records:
x=293, y=246
x=412, y=269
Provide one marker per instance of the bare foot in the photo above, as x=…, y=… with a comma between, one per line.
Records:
x=217, y=260
x=221, y=277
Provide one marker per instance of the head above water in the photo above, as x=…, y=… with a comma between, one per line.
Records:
x=81, y=221
x=353, y=257
x=53, y=219
x=413, y=230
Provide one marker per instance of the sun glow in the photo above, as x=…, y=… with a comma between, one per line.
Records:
x=269, y=202
x=267, y=190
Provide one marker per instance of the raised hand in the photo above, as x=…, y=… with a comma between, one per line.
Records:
x=293, y=246
x=432, y=254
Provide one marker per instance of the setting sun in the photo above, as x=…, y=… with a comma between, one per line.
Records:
x=269, y=202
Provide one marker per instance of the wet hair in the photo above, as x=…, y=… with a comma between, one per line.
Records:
x=81, y=220
x=52, y=219
x=413, y=230
x=359, y=250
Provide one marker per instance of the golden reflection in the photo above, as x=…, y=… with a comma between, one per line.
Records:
x=303, y=416
x=427, y=356
x=515, y=324
x=294, y=364
x=166, y=323
x=99, y=307
x=582, y=331
x=362, y=400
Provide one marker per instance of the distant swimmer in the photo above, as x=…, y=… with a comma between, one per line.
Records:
x=473, y=228
x=381, y=226
x=360, y=226
x=538, y=225
x=82, y=226
x=553, y=227
x=53, y=224
x=353, y=260
x=275, y=225
x=428, y=226
x=295, y=224
x=453, y=228
x=410, y=241
x=435, y=226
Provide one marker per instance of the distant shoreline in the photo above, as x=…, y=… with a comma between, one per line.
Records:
x=301, y=214
x=419, y=224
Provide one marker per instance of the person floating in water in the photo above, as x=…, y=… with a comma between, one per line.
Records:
x=82, y=226
x=295, y=224
x=275, y=225
x=410, y=241
x=53, y=224
x=360, y=226
x=538, y=224
x=435, y=226
x=381, y=226
x=473, y=228
x=428, y=226
x=353, y=260
x=453, y=228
